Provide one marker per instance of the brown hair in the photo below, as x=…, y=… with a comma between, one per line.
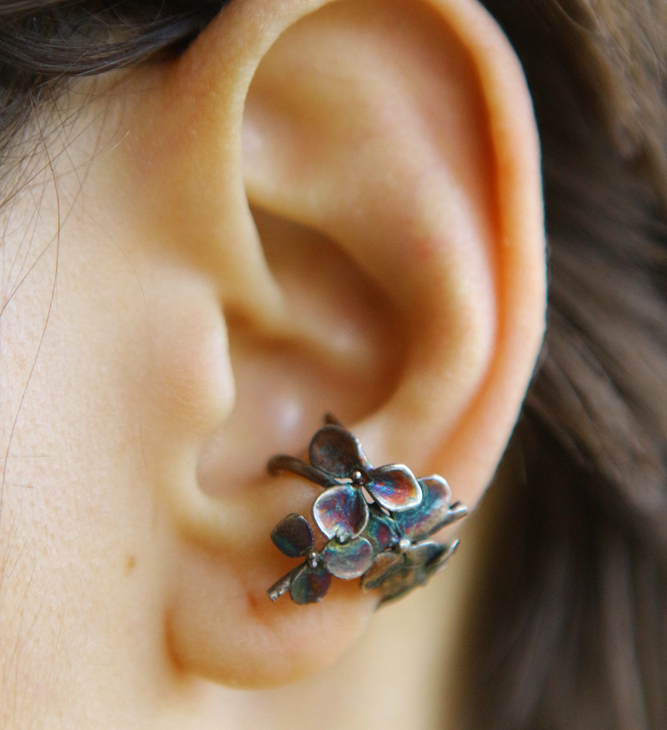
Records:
x=569, y=631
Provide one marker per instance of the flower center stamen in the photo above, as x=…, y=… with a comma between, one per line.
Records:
x=357, y=478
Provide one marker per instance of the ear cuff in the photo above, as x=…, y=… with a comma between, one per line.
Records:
x=376, y=521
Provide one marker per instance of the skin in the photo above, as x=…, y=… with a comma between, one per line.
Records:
x=318, y=207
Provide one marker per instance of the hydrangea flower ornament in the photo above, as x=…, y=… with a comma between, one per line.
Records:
x=376, y=522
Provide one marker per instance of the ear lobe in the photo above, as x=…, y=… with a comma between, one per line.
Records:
x=397, y=139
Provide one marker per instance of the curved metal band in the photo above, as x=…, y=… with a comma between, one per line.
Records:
x=284, y=462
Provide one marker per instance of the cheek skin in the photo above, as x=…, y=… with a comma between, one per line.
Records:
x=112, y=369
x=189, y=386
x=132, y=379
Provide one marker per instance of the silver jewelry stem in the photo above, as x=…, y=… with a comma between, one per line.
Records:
x=280, y=587
x=284, y=462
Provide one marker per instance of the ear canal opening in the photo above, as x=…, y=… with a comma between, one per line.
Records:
x=344, y=315
x=344, y=346
x=343, y=350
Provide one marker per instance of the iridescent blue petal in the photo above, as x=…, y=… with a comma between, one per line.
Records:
x=337, y=452
x=293, y=536
x=380, y=531
x=309, y=585
x=341, y=512
x=394, y=487
x=431, y=514
x=348, y=560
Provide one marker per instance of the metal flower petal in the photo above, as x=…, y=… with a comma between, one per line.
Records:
x=438, y=563
x=411, y=571
x=394, y=487
x=382, y=566
x=293, y=536
x=341, y=512
x=430, y=514
x=399, y=582
x=396, y=573
x=422, y=562
x=337, y=452
x=424, y=554
x=309, y=585
x=381, y=530
x=348, y=560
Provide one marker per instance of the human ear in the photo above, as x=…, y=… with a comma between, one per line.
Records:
x=354, y=189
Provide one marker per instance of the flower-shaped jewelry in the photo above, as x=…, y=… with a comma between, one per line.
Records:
x=409, y=560
x=309, y=582
x=376, y=521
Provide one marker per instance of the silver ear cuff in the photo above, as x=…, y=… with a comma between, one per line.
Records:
x=376, y=521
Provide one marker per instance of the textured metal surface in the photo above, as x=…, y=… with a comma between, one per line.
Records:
x=348, y=560
x=309, y=585
x=341, y=512
x=293, y=536
x=336, y=451
x=394, y=487
x=381, y=531
x=433, y=510
x=376, y=522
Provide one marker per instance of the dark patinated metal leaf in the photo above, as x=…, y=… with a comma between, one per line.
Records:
x=397, y=573
x=431, y=514
x=425, y=553
x=394, y=487
x=341, y=512
x=404, y=575
x=380, y=531
x=399, y=582
x=293, y=536
x=382, y=565
x=437, y=564
x=348, y=560
x=309, y=585
x=421, y=563
x=337, y=452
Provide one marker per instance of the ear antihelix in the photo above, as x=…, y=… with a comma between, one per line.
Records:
x=365, y=122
